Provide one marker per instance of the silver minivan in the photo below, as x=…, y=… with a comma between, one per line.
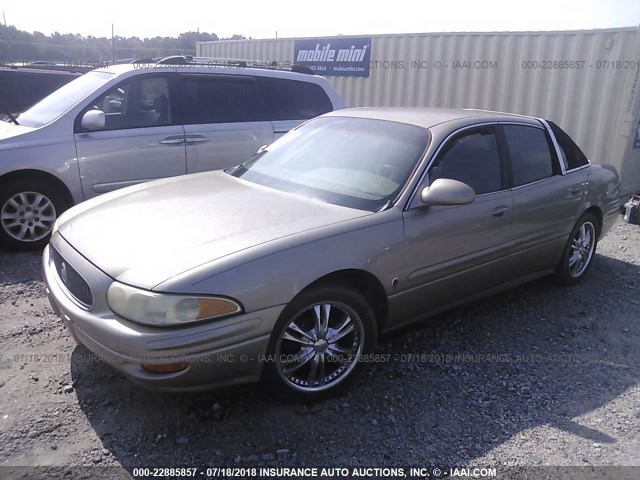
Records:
x=128, y=124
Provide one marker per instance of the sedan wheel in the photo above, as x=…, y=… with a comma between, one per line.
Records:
x=318, y=343
x=27, y=214
x=578, y=253
x=582, y=247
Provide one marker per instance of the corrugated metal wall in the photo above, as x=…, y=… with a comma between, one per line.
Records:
x=598, y=104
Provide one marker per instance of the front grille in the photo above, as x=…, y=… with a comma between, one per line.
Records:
x=75, y=284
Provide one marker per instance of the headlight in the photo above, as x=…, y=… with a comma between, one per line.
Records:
x=165, y=309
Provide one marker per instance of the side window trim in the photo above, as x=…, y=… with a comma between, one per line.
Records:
x=423, y=175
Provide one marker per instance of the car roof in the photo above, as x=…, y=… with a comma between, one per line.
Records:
x=430, y=117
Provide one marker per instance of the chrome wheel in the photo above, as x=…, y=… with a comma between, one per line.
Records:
x=320, y=346
x=28, y=216
x=582, y=247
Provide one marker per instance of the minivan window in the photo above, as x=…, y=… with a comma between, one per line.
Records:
x=531, y=158
x=53, y=106
x=219, y=99
x=292, y=100
x=142, y=102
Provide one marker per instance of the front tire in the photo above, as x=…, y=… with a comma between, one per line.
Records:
x=317, y=346
x=28, y=210
x=579, y=251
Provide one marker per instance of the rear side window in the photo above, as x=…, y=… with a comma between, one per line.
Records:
x=531, y=158
x=211, y=99
x=292, y=99
x=572, y=156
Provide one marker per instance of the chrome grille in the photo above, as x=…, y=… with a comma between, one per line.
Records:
x=74, y=283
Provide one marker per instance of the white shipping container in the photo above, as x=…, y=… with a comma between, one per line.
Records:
x=586, y=81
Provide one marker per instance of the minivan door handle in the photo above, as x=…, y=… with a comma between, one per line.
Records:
x=173, y=140
x=500, y=211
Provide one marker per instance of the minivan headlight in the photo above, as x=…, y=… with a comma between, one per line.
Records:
x=166, y=309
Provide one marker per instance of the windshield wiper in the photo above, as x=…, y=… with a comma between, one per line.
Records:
x=385, y=206
x=8, y=112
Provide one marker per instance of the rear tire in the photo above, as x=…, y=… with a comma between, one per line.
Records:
x=28, y=210
x=579, y=251
x=317, y=345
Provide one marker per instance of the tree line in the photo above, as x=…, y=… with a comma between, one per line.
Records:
x=18, y=46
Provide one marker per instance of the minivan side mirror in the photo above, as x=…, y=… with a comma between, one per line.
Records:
x=445, y=191
x=93, y=120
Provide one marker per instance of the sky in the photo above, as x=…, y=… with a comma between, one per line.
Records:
x=262, y=19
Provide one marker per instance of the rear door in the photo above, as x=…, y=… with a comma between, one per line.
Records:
x=288, y=103
x=546, y=200
x=454, y=252
x=142, y=139
x=223, y=120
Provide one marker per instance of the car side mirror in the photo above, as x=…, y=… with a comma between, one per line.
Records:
x=445, y=191
x=93, y=120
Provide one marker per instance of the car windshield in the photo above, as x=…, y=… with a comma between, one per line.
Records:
x=54, y=105
x=354, y=162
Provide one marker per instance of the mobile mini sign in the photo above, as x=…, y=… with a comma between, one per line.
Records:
x=338, y=57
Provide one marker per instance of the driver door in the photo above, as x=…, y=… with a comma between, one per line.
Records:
x=454, y=252
x=142, y=138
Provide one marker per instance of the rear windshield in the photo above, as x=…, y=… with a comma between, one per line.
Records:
x=54, y=105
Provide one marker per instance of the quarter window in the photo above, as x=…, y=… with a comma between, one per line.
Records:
x=572, y=156
x=292, y=99
x=531, y=158
x=209, y=99
x=472, y=158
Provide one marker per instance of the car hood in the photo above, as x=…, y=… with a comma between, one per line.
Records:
x=146, y=235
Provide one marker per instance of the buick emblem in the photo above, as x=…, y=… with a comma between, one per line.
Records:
x=63, y=272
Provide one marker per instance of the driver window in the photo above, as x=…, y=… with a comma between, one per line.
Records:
x=143, y=102
x=472, y=158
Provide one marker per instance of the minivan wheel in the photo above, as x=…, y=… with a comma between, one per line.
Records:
x=578, y=253
x=317, y=346
x=28, y=210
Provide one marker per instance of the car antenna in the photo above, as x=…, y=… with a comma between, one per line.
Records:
x=8, y=112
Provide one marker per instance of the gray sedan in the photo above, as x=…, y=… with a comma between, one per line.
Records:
x=288, y=267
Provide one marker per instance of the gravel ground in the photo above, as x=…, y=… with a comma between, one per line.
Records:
x=540, y=375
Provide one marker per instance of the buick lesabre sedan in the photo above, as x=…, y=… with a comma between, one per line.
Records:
x=288, y=267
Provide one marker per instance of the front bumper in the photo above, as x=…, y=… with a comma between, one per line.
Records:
x=218, y=353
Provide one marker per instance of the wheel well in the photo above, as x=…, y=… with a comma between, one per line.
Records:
x=598, y=214
x=365, y=283
x=41, y=176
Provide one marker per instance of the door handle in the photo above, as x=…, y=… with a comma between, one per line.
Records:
x=196, y=139
x=500, y=211
x=575, y=192
x=172, y=140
